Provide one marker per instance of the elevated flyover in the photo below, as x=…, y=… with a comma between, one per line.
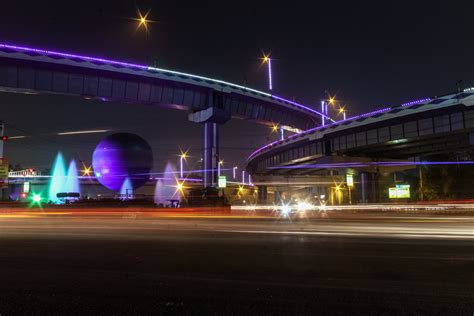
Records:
x=371, y=142
x=208, y=101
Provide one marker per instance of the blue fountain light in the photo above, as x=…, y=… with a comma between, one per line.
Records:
x=58, y=179
x=62, y=182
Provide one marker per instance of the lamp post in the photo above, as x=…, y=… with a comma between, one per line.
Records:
x=233, y=171
x=219, y=167
x=267, y=60
x=243, y=176
x=182, y=157
x=343, y=112
x=323, y=111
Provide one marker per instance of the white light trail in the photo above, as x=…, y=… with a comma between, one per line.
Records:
x=84, y=132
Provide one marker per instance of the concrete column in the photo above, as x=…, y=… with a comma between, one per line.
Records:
x=210, y=118
x=262, y=194
x=210, y=154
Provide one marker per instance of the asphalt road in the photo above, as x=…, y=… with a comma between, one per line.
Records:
x=134, y=263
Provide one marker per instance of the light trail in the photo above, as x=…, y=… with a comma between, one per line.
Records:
x=17, y=137
x=84, y=132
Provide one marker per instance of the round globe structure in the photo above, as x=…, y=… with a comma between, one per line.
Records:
x=122, y=156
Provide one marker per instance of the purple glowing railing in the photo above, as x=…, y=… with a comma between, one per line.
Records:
x=317, y=129
x=373, y=164
x=256, y=152
x=416, y=102
x=73, y=56
x=302, y=106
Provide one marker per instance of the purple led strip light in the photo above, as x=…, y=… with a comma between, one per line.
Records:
x=74, y=56
x=142, y=67
x=368, y=164
x=301, y=106
x=416, y=102
x=338, y=122
x=316, y=129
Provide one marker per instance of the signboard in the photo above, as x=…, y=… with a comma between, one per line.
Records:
x=222, y=182
x=26, y=187
x=3, y=173
x=400, y=191
x=350, y=180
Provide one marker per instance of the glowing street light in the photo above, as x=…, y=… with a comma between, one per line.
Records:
x=233, y=171
x=182, y=158
x=86, y=171
x=323, y=110
x=179, y=188
x=343, y=112
x=221, y=163
x=143, y=20
x=274, y=128
x=267, y=60
x=243, y=176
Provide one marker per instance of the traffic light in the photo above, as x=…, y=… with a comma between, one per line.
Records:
x=4, y=138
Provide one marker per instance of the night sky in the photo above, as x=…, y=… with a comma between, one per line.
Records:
x=370, y=54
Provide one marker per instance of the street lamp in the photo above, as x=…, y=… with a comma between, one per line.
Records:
x=243, y=176
x=182, y=158
x=86, y=171
x=267, y=60
x=143, y=20
x=233, y=171
x=276, y=127
x=221, y=163
x=343, y=112
x=323, y=111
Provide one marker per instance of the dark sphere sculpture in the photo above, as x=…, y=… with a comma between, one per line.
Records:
x=120, y=156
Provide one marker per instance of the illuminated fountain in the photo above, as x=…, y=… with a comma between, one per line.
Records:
x=72, y=180
x=62, y=182
x=159, y=198
x=166, y=187
x=58, y=179
x=126, y=191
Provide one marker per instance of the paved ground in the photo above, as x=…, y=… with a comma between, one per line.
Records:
x=131, y=263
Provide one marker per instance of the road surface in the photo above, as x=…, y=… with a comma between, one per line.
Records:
x=62, y=262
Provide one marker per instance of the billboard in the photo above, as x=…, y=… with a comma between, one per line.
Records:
x=222, y=182
x=350, y=180
x=400, y=191
x=3, y=173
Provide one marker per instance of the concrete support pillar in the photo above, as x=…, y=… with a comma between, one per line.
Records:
x=262, y=194
x=210, y=118
x=210, y=154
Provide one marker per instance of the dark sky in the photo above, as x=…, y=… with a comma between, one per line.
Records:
x=371, y=53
